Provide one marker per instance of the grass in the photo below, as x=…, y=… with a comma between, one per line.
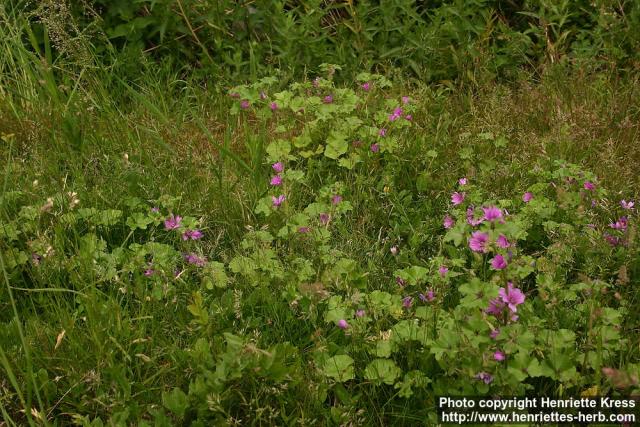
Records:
x=74, y=350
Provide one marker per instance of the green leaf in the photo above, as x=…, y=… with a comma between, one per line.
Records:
x=336, y=145
x=339, y=367
x=382, y=371
x=175, y=401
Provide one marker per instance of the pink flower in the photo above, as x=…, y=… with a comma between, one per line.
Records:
x=430, y=296
x=485, y=377
x=276, y=180
x=336, y=199
x=172, y=222
x=526, y=197
x=479, y=241
x=375, y=148
x=278, y=167
x=192, y=235
x=470, y=217
x=303, y=230
x=195, y=260
x=397, y=113
x=448, y=222
x=612, y=240
x=457, y=198
x=360, y=313
x=405, y=99
x=589, y=185
x=620, y=224
x=155, y=209
x=324, y=218
x=492, y=213
x=494, y=334
x=462, y=181
x=382, y=132
x=408, y=117
x=273, y=106
x=149, y=272
x=495, y=308
x=244, y=104
x=626, y=205
x=502, y=242
x=328, y=99
x=498, y=262
x=443, y=270
x=366, y=86
x=499, y=356
x=277, y=201
x=407, y=302
x=511, y=296
x=342, y=324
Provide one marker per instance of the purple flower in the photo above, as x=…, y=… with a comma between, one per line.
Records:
x=443, y=270
x=192, y=234
x=526, y=197
x=278, y=167
x=471, y=219
x=324, y=218
x=620, y=224
x=498, y=262
x=277, y=201
x=448, y=222
x=400, y=281
x=149, y=272
x=462, y=181
x=627, y=205
x=492, y=213
x=589, y=185
x=407, y=302
x=276, y=180
x=457, y=198
x=484, y=376
x=511, y=296
x=375, y=148
x=336, y=199
x=502, y=242
x=494, y=333
x=408, y=117
x=405, y=99
x=612, y=240
x=195, y=260
x=328, y=99
x=172, y=222
x=479, y=241
x=303, y=230
x=495, y=308
x=430, y=296
x=273, y=106
x=342, y=324
x=366, y=86
x=382, y=132
x=360, y=313
x=155, y=209
x=397, y=113
x=244, y=104
x=499, y=356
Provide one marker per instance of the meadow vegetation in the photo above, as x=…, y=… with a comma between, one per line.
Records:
x=314, y=212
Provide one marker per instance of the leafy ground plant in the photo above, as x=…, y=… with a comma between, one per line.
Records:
x=383, y=259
